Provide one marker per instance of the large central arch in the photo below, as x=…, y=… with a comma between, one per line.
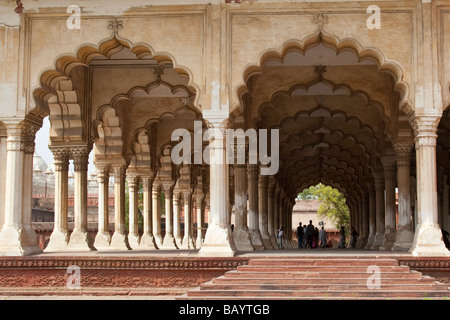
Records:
x=343, y=114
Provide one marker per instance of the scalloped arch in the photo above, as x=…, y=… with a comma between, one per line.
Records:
x=339, y=45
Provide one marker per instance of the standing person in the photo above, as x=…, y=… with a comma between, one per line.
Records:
x=323, y=237
x=315, y=242
x=354, y=238
x=310, y=233
x=342, y=238
x=305, y=238
x=300, y=235
x=280, y=237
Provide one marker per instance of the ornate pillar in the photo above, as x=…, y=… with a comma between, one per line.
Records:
x=176, y=217
x=271, y=211
x=218, y=238
x=133, y=227
x=253, y=211
x=405, y=235
x=3, y=152
x=262, y=211
x=428, y=236
x=147, y=239
x=200, y=221
x=103, y=237
x=119, y=240
x=364, y=234
x=80, y=240
x=169, y=240
x=389, y=161
x=276, y=209
x=156, y=213
x=372, y=217
x=59, y=237
x=379, y=199
x=17, y=237
x=188, y=242
x=240, y=233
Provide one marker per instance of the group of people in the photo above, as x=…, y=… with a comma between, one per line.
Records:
x=309, y=236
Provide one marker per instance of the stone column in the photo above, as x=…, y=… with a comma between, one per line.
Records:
x=428, y=236
x=80, y=240
x=59, y=237
x=103, y=237
x=156, y=213
x=218, y=238
x=200, y=221
x=240, y=233
x=119, y=240
x=169, y=240
x=147, y=240
x=390, y=218
x=262, y=211
x=133, y=227
x=276, y=210
x=188, y=242
x=176, y=217
x=380, y=214
x=17, y=236
x=253, y=215
x=3, y=152
x=405, y=235
x=372, y=217
x=364, y=233
x=271, y=212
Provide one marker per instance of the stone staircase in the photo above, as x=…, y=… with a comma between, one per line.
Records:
x=321, y=278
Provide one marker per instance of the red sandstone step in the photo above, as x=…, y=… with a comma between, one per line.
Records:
x=322, y=293
x=224, y=280
x=315, y=274
x=313, y=268
x=322, y=262
x=322, y=287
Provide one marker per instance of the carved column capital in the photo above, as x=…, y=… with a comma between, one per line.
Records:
x=425, y=129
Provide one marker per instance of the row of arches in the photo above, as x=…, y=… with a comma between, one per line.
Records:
x=343, y=114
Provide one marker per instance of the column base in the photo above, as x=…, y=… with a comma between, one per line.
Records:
x=188, y=243
x=178, y=242
x=218, y=242
x=158, y=240
x=119, y=242
x=133, y=241
x=273, y=241
x=198, y=242
x=169, y=243
x=267, y=244
x=256, y=240
x=379, y=237
x=370, y=242
x=389, y=239
x=80, y=241
x=148, y=242
x=403, y=240
x=364, y=242
x=57, y=242
x=428, y=241
x=21, y=242
x=242, y=240
x=102, y=241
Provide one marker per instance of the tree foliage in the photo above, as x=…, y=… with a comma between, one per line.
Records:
x=332, y=204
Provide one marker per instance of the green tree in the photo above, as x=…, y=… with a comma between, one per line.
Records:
x=332, y=204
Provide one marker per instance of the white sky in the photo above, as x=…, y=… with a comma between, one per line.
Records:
x=42, y=141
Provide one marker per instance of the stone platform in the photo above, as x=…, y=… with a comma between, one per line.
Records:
x=164, y=274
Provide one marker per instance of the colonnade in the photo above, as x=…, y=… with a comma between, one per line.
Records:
x=269, y=204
